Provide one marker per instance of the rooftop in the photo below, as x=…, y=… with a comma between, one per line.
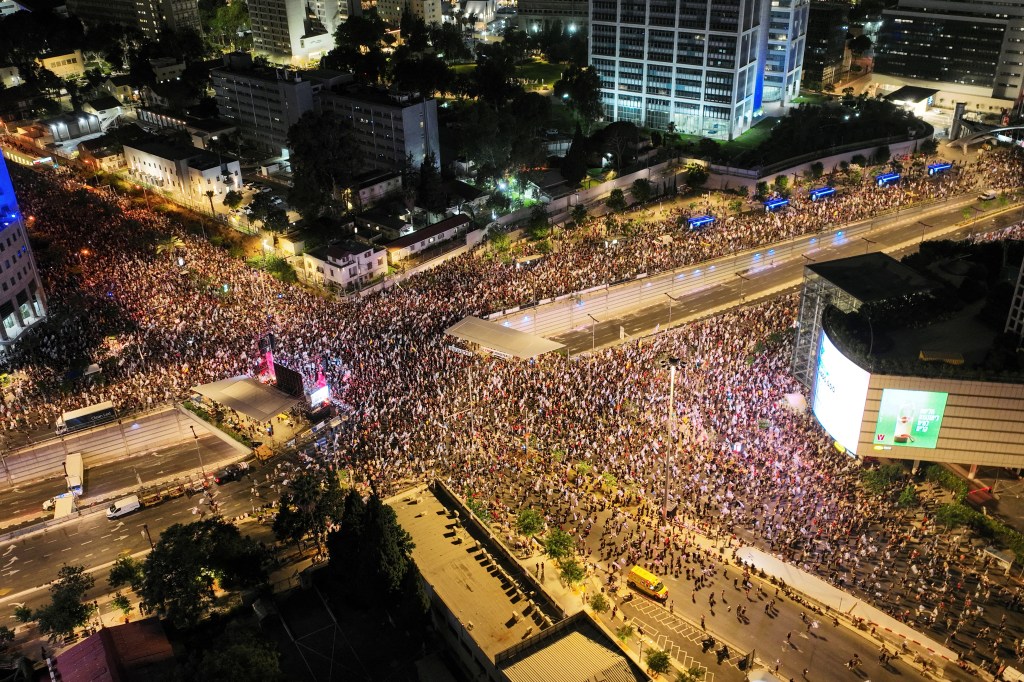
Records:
x=380, y=96
x=467, y=576
x=429, y=231
x=124, y=653
x=165, y=151
x=911, y=93
x=872, y=277
x=103, y=103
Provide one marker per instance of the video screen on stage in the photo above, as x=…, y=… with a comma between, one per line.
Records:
x=840, y=387
x=910, y=419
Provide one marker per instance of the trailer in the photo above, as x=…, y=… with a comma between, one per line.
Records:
x=74, y=473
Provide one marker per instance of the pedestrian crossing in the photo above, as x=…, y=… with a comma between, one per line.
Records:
x=676, y=635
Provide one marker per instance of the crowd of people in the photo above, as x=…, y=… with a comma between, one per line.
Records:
x=581, y=440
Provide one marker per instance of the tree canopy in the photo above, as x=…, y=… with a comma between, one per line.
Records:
x=67, y=609
x=313, y=502
x=323, y=157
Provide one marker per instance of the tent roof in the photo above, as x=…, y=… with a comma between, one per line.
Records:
x=501, y=339
x=248, y=396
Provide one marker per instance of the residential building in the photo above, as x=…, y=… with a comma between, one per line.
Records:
x=826, y=44
x=132, y=652
x=104, y=11
x=389, y=128
x=107, y=109
x=372, y=187
x=186, y=171
x=535, y=16
x=346, y=264
x=428, y=237
x=264, y=102
x=149, y=16
x=429, y=11
x=122, y=88
x=167, y=69
x=10, y=76
x=977, y=44
x=99, y=155
x=69, y=65
x=698, y=66
x=296, y=31
x=22, y=302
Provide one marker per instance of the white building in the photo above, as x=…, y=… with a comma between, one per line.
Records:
x=296, y=31
x=167, y=69
x=372, y=187
x=107, y=109
x=22, y=303
x=699, y=66
x=345, y=264
x=186, y=171
x=428, y=237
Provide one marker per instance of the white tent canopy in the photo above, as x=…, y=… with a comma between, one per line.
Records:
x=501, y=339
x=248, y=396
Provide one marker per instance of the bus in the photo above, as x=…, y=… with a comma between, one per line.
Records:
x=86, y=417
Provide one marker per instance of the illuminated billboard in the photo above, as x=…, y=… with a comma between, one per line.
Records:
x=910, y=419
x=840, y=387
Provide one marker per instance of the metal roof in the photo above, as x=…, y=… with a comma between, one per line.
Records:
x=248, y=396
x=501, y=339
x=872, y=277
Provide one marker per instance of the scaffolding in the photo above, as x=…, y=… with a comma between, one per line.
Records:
x=816, y=294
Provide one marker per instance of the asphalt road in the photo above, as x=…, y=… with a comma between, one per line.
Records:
x=784, y=276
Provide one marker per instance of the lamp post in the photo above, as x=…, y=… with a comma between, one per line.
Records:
x=923, y=225
x=593, y=333
x=868, y=243
x=743, y=279
x=671, y=300
x=671, y=363
x=198, y=454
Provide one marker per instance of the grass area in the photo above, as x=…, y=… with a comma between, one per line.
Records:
x=463, y=68
x=753, y=137
x=810, y=98
x=540, y=70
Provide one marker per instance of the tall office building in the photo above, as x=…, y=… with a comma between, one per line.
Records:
x=22, y=303
x=976, y=43
x=296, y=31
x=149, y=16
x=699, y=65
x=826, y=43
x=535, y=16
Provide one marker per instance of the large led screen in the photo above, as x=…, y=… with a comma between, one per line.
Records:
x=840, y=387
x=910, y=419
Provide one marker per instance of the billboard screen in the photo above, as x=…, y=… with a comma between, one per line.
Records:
x=840, y=387
x=910, y=419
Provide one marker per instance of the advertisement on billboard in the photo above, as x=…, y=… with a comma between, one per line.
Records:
x=840, y=387
x=910, y=419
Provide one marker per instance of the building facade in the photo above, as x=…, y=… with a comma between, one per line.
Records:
x=388, y=128
x=345, y=264
x=67, y=65
x=977, y=43
x=186, y=171
x=826, y=44
x=535, y=16
x=149, y=16
x=296, y=31
x=22, y=302
x=695, y=66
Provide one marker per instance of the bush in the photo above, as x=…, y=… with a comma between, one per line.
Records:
x=936, y=473
x=908, y=498
x=658, y=661
x=880, y=481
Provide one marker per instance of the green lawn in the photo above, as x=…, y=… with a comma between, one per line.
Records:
x=536, y=70
x=750, y=139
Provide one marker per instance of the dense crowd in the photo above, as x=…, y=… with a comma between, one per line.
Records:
x=583, y=440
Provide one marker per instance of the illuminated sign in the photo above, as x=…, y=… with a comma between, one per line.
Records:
x=821, y=193
x=775, y=204
x=910, y=419
x=698, y=222
x=840, y=387
x=320, y=396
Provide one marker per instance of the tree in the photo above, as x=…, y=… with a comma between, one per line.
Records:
x=539, y=224
x=169, y=246
x=599, y=602
x=426, y=74
x=658, y=661
x=696, y=175
x=691, y=674
x=882, y=154
x=323, y=158
x=430, y=193
x=929, y=146
x=499, y=240
x=621, y=137
x=558, y=544
x=641, y=190
x=122, y=603
x=781, y=183
x=817, y=169
x=761, y=189
x=189, y=559
x=580, y=89
x=572, y=571
x=579, y=215
x=66, y=610
x=209, y=195
x=276, y=220
x=361, y=42
x=127, y=570
x=529, y=523
x=242, y=656
x=616, y=200
x=312, y=504
x=708, y=148
x=574, y=165
x=233, y=199
x=625, y=632
x=860, y=44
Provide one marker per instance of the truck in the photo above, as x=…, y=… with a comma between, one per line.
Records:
x=86, y=417
x=74, y=473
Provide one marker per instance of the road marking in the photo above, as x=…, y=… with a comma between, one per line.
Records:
x=87, y=542
x=9, y=550
x=10, y=573
x=89, y=555
x=106, y=536
x=120, y=538
x=66, y=549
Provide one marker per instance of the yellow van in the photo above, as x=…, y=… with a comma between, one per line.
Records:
x=643, y=580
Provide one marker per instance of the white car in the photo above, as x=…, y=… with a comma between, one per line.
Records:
x=988, y=195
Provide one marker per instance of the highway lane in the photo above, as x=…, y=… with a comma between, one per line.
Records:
x=785, y=275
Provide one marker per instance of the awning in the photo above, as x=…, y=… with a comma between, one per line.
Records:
x=248, y=396
x=501, y=339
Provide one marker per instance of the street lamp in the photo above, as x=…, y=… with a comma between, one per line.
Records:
x=671, y=300
x=743, y=279
x=198, y=454
x=868, y=243
x=671, y=363
x=923, y=225
x=593, y=333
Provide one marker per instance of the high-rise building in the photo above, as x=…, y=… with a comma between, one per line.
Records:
x=265, y=102
x=388, y=128
x=297, y=31
x=535, y=16
x=826, y=43
x=22, y=303
x=698, y=66
x=977, y=43
x=149, y=16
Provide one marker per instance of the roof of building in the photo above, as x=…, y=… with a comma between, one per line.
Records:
x=872, y=277
x=379, y=96
x=465, y=191
x=104, y=103
x=210, y=125
x=578, y=649
x=121, y=80
x=499, y=338
x=165, y=151
x=373, y=177
x=455, y=222
x=342, y=250
x=911, y=93
x=124, y=653
x=72, y=117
